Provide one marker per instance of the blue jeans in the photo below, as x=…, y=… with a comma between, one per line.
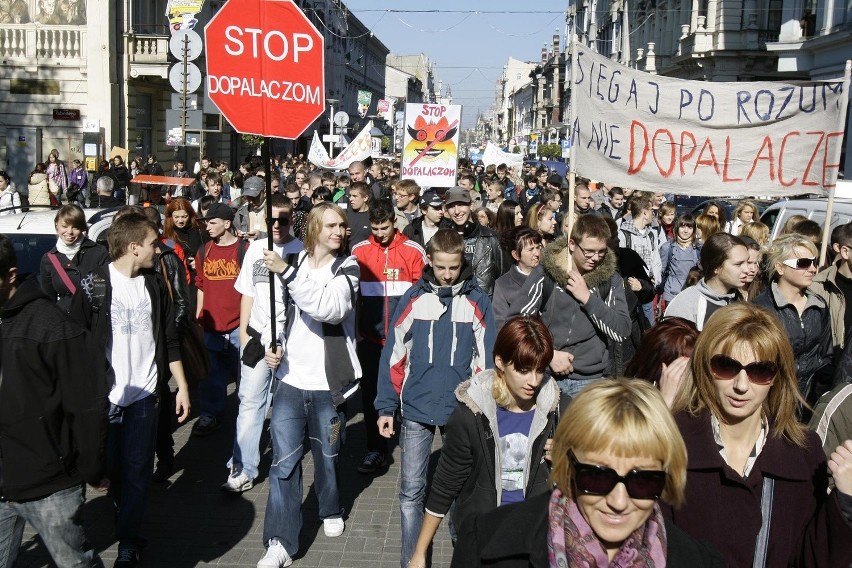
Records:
x=295, y=411
x=254, y=393
x=130, y=463
x=415, y=442
x=572, y=387
x=648, y=310
x=58, y=519
x=224, y=350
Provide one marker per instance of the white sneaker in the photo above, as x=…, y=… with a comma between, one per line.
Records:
x=332, y=527
x=238, y=482
x=275, y=557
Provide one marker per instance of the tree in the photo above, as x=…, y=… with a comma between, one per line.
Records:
x=549, y=151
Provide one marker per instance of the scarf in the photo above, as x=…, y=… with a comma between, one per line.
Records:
x=69, y=250
x=572, y=542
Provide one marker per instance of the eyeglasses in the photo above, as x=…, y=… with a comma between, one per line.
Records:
x=601, y=480
x=592, y=253
x=282, y=220
x=800, y=263
x=760, y=372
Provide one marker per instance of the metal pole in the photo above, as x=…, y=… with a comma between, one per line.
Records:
x=183, y=96
x=330, y=128
x=826, y=230
x=264, y=155
x=572, y=166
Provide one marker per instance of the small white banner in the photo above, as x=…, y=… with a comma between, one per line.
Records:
x=359, y=149
x=495, y=156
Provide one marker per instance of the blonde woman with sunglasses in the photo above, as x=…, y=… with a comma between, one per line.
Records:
x=757, y=479
x=790, y=265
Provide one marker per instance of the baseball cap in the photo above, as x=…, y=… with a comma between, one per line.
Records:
x=555, y=179
x=431, y=199
x=253, y=186
x=457, y=195
x=220, y=211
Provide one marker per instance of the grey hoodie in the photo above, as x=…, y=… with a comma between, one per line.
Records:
x=697, y=303
x=582, y=330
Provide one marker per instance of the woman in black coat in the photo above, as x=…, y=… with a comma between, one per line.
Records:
x=790, y=265
x=497, y=443
x=616, y=452
x=76, y=256
x=121, y=175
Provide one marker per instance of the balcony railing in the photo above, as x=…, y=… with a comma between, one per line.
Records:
x=767, y=36
x=149, y=48
x=34, y=43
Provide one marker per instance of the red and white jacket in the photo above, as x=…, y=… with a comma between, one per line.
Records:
x=386, y=274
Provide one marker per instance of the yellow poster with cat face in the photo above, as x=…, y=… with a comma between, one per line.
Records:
x=430, y=144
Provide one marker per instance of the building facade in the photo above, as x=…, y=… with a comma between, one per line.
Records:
x=87, y=76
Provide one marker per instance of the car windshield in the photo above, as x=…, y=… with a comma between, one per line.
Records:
x=30, y=248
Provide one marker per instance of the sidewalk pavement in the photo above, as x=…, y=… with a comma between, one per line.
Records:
x=191, y=522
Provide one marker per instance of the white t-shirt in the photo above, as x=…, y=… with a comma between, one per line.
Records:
x=133, y=353
x=303, y=365
x=253, y=281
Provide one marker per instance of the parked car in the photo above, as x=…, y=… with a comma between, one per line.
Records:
x=33, y=233
x=695, y=205
x=776, y=215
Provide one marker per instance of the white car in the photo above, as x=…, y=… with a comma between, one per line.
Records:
x=33, y=233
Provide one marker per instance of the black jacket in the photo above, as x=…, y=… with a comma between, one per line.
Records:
x=810, y=334
x=90, y=256
x=515, y=536
x=414, y=231
x=468, y=469
x=483, y=253
x=176, y=275
x=53, y=399
x=121, y=175
x=105, y=201
x=165, y=329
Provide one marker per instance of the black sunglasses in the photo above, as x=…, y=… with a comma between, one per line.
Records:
x=800, y=263
x=725, y=368
x=282, y=220
x=601, y=480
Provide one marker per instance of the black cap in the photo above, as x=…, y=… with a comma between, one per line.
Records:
x=220, y=211
x=431, y=198
x=555, y=179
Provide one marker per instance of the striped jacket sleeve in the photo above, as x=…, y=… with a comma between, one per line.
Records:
x=393, y=366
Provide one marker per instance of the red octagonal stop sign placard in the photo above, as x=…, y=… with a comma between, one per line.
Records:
x=265, y=67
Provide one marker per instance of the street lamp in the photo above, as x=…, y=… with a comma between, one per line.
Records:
x=331, y=103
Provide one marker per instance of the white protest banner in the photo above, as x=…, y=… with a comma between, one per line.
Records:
x=430, y=144
x=495, y=156
x=357, y=150
x=644, y=131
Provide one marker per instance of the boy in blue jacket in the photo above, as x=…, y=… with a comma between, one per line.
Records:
x=443, y=333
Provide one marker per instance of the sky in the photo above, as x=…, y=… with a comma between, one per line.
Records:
x=468, y=49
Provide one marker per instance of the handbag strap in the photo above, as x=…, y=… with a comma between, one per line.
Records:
x=62, y=274
x=766, y=512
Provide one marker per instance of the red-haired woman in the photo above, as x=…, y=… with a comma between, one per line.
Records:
x=503, y=427
x=182, y=226
x=663, y=356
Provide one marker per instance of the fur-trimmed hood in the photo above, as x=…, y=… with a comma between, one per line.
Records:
x=554, y=260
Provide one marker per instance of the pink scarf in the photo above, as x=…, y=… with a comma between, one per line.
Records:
x=572, y=542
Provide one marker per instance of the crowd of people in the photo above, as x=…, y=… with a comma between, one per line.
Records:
x=614, y=384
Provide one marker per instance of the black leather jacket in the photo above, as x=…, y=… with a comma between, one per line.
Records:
x=482, y=250
x=810, y=335
x=177, y=282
